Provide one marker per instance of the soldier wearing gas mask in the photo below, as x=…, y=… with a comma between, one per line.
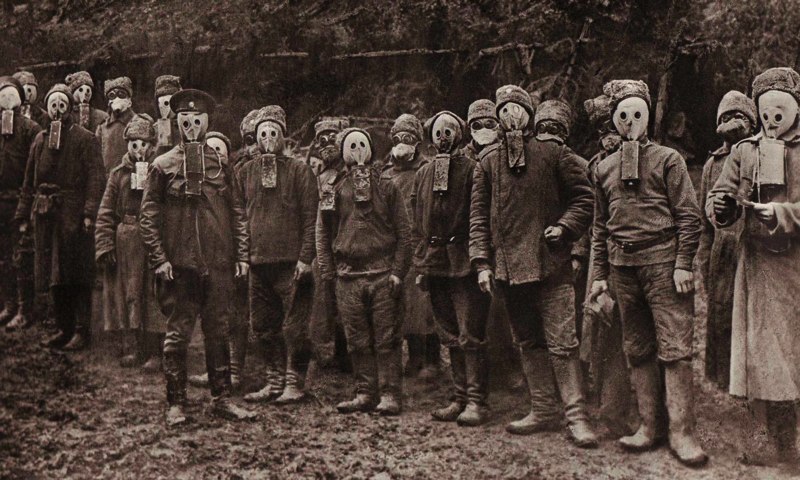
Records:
x=196, y=235
x=759, y=186
x=323, y=154
x=418, y=329
x=129, y=306
x=645, y=235
x=30, y=107
x=363, y=242
x=280, y=195
x=531, y=200
x=118, y=92
x=17, y=134
x=737, y=119
x=60, y=196
x=82, y=87
x=249, y=148
x=167, y=132
x=483, y=127
x=440, y=207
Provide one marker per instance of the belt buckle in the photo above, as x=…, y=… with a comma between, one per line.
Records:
x=625, y=246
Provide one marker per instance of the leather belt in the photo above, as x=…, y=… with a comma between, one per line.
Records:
x=632, y=247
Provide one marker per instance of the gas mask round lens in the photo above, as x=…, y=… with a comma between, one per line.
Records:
x=138, y=149
x=164, y=108
x=193, y=125
x=356, y=149
x=484, y=131
x=446, y=133
x=83, y=94
x=219, y=146
x=9, y=98
x=57, y=105
x=31, y=93
x=778, y=113
x=118, y=100
x=631, y=118
x=513, y=116
x=269, y=136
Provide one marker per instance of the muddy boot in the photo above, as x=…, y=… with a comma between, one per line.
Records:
x=130, y=349
x=782, y=428
x=458, y=400
x=9, y=310
x=200, y=380
x=366, y=375
x=680, y=405
x=275, y=352
x=545, y=414
x=292, y=391
x=646, y=380
x=221, y=404
x=77, y=343
x=477, y=411
x=389, y=375
x=568, y=376
x=24, y=314
x=175, y=374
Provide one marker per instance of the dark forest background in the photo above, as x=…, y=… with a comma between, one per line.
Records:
x=376, y=59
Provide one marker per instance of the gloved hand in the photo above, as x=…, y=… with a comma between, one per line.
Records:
x=724, y=205
x=164, y=272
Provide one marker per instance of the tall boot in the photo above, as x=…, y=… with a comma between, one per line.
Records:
x=366, y=376
x=24, y=316
x=390, y=378
x=219, y=382
x=646, y=380
x=458, y=400
x=545, y=413
x=477, y=410
x=782, y=428
x=238, y=345
x=131, y=342
x=568, y=376
x=293, y=388
x=275, y=354
x=9, y=310
x=175, y=375
x=680, y=405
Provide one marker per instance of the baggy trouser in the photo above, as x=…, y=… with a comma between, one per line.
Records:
x=239, y=332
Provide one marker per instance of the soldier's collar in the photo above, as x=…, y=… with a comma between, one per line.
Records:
x=721, y=151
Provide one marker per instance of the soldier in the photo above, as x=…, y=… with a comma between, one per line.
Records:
x=415, y=309
x=196, y=235
x=60, y=196
x=30, y=108
x=280, y=196
x=645, y=235
x=483, y=127
x=530, y=200
x=167, y=133
x=82, y=87
x=17, y=134
x=440, y=206
x=736, y=120
x=363, y=241
x=759, y=184
x=128, y=283
x=249, y=146
x=118, y=93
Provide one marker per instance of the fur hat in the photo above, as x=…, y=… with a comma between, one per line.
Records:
x=598, y=109
x=123, y=83
x=248, y=124
x=515, y=94
x=736, y=101
x=483, y=108
x=26, y=78
x=327, y=124
x=271, y=113
x=619, y=90
x=407, y=123
x=429, y=124
x=8, y=81
x=221, y=136
x=78, y=79
x=60, y=88
x=167, y=85
x=555, y=110
x=783, y=79
x=192, y=100
x=140, y=128
x=341, y=136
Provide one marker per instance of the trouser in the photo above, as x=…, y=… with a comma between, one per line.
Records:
x=369, y=312
x=656, y=319
x=182, y=300
x=9, y=239
x=72, y=308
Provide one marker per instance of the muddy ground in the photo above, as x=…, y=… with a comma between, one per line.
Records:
x=81, y=416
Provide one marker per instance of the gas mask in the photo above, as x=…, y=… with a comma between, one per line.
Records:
x=219, y=146
x=9, y=98
x=631, y=117
x=405, y=146
x=83, y=94
x=547, y=129
x=57, y=105
x=118, y=101
x=138, y=151
x=513, y=119
x=734, y=126
x=193, y=125
x=164, y=108
x=270, y=137
x=484, y=131
x=357, y=153
x=446, y=133
x=778, y=111
x=325, y=147
x=31, y=93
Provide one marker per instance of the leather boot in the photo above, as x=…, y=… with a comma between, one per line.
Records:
x=568, y=376
x=782, y=428
x=175, y=374
x=680, y=405
x=9, y=310
x=646, y=380
x=275, y=352
x=389, y=375
x=292, y=390
x=81, y=309
x=25, y=292
x=366, y=375
x=477, y=410
x=130, y=349
x=238, y=345
x=545, y=414
x=458, y=400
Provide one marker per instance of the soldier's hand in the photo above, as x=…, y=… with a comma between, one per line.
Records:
x=301, y=270
x=164, y=271
x=598, y=288
x=765, y=213
x=242, y=269
x=422, y=282
x=88, y=225
x=684, y=280
x=395, y=285
x=486, y=281
x=554, y=234
x=724, y=204
x=23, y=227
x=577, y=267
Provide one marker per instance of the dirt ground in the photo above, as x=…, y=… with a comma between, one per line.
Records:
x=81, y=416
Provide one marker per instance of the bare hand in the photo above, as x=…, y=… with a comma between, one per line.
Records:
x=684, y=280
x=599, y=287
x=765, y=213
x=88, y=224
x=486, y=281
x=395, y=284
x=724, y=204
x=23, y=227
x=164, y=272
x=422, y=282
x=242, y=269
x=554, y=234
x=577, y=267
x=301, y=270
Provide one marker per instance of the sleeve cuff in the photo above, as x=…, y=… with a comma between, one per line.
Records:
x=682, y=263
